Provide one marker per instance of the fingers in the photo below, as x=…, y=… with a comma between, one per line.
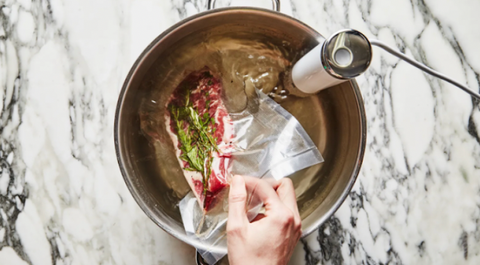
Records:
x=286, y=193
x=276, y=202
x=251, y=183
x=272, y=182
x=263, y=191
x=236, y=202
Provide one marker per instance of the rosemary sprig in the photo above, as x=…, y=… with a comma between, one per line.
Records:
x=195, y=133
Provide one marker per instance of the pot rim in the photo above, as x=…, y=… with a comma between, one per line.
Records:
x=141, y=58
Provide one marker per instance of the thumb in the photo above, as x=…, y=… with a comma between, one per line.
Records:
x=236, y=202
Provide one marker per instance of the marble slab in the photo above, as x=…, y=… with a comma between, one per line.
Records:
x=62, y=197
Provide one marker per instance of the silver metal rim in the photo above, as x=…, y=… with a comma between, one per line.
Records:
x=139, y=201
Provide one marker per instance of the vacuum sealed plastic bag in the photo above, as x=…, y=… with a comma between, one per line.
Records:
x=265, y=141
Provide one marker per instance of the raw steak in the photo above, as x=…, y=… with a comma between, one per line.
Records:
x=201, y=131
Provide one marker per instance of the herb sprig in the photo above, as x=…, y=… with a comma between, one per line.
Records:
x=195, y=133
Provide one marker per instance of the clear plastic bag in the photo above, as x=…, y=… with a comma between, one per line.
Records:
x=269, y=143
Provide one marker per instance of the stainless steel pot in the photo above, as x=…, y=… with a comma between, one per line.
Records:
x=334, y=119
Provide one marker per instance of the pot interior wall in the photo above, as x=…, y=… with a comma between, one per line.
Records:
x=332, y=118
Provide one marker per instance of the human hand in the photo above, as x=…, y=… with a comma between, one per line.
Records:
x=269, y=238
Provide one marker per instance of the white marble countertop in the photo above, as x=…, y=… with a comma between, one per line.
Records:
x=62, y=197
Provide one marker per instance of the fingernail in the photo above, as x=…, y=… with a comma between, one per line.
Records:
x=237, y=180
